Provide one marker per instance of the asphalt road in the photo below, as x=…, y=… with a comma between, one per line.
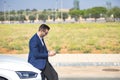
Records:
x=89, y=78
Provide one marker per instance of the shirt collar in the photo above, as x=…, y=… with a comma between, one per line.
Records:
x=40, y=39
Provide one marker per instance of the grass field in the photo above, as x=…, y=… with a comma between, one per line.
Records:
x=64, y=38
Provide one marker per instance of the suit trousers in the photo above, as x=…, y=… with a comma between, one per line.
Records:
x=49, y=72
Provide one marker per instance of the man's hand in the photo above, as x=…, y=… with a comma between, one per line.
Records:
x=52, y=53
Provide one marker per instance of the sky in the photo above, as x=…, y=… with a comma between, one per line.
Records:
x=52, y=4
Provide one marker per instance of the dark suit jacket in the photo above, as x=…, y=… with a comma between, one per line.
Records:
x=38, y=54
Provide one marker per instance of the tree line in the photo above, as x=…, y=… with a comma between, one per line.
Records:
x=112, y=14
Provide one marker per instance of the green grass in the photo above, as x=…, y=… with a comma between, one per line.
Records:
x=64, y=38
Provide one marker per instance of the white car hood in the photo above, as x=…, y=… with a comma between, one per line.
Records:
x=16, y=64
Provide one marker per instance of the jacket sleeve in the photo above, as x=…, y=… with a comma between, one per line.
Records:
x=35, y=50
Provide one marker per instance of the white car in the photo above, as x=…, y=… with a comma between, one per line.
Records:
x=15, y=68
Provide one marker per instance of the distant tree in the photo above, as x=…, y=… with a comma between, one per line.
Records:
x=113, y=14
x=2, y=18
x=22, y=18
x=42, y=17
x=20, y=12
x=13, y=12
x=108, y=15
x=85, y=14
x=32, y=18
x=1, y=13
x=49, y=12
x=27, y=11
x=17, y=18
x=65, y=15
x=53, y=16
x=34, y=10
x=75, y=14
x=97, y=11
x=116, y=12
x=49, y=9
x=12, y=18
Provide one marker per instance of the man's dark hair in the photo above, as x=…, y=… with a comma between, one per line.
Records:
x=44, y=27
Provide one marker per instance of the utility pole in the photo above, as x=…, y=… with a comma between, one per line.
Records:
x=4, y=4
x=9, y=13
x=56, y=9
x=61, y=9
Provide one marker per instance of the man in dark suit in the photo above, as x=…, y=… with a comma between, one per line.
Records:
x=38, y=54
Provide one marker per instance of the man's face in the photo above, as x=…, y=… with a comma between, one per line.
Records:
x=44, y=32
